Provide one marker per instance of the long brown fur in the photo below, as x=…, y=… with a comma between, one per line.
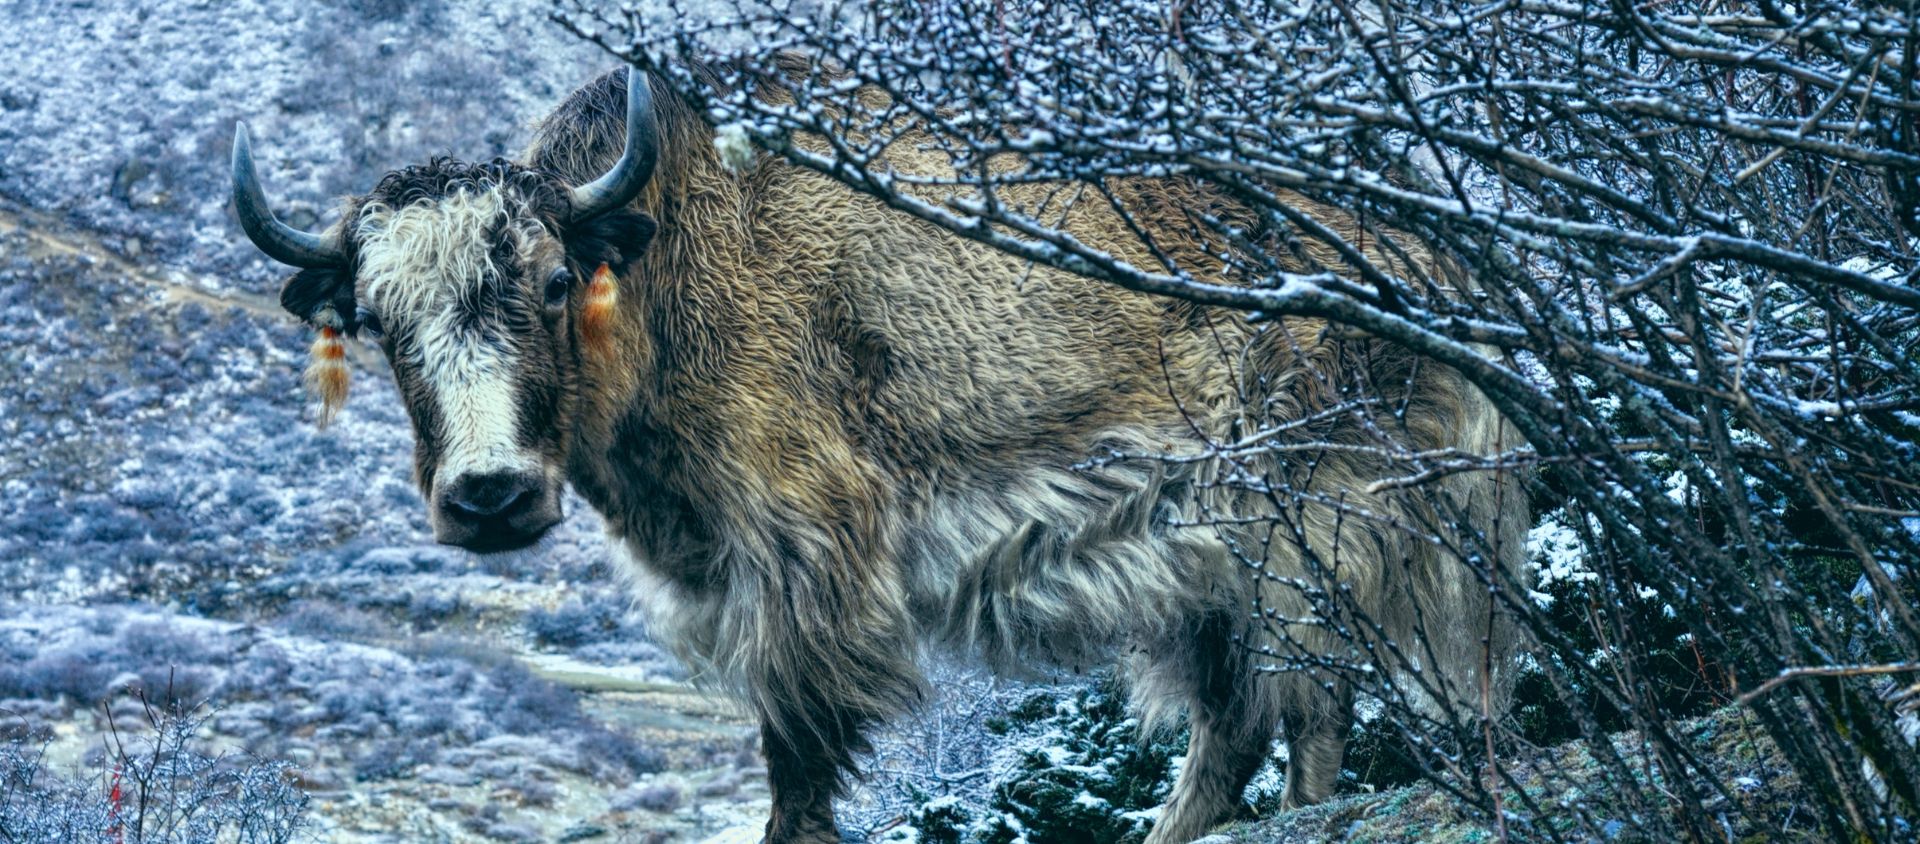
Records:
x=830, y=432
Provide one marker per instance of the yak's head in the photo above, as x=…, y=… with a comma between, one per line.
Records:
x=478, y=281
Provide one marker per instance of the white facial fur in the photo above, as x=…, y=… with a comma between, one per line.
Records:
x=421, y=266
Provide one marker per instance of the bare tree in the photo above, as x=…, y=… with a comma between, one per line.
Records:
x=1677, y=245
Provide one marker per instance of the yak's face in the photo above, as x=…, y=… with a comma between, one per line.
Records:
x=470, y=277
x=469, y=281
x=468, y=296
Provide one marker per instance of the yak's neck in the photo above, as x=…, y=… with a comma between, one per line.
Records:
x=625, y=457
x=701, y=249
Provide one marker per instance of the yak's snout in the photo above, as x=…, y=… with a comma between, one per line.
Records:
x=496, y=511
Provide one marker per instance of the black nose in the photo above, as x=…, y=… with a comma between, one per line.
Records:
x=500, y=495
x=496, y=511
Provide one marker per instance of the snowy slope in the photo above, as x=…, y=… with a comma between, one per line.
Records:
x=120, y=115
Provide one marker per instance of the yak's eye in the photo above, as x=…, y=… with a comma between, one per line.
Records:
x=370, y=325
x=557, y=286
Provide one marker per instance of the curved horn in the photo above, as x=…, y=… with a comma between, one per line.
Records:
x=280, y=241
x=621, y=184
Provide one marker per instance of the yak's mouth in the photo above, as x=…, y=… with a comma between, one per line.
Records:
x=501, y=541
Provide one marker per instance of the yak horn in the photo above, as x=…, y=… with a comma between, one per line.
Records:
x=621, y=184
x=280, y=241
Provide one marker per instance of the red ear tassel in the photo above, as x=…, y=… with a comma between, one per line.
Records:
x=327, y=369
x=596, y=316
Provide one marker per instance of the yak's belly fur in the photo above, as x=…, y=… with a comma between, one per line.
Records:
x=1062, y=566
x=1055, y=567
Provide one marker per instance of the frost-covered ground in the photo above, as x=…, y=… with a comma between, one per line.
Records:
x=120, y=115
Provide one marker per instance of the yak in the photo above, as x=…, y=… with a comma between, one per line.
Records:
x=825, y=436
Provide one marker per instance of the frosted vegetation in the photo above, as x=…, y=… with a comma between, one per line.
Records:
x=119, y=114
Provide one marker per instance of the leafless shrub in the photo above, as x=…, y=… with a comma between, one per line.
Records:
x=157, y=787
x=1674, y=243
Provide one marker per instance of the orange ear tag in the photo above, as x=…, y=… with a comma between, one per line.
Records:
x=327, y=368
x=596, y=316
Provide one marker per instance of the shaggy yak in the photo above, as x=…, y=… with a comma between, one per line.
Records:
x=823, y=434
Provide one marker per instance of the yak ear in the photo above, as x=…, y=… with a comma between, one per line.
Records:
x=616, y=239
x=310, y=291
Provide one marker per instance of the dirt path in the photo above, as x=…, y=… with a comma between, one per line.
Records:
x=49, y=237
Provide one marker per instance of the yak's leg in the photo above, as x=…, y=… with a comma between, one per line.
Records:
x=1222, y=757
x=812, y=728
x=804, y=775
x=1232, y=726
x=827, y=658
x=1316, y=731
